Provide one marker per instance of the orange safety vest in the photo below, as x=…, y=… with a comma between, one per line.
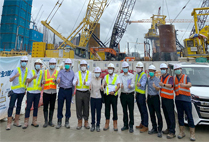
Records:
x=181, y=90
x=165, y=92
x=49, y=84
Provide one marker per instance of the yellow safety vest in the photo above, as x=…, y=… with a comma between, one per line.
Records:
x=21, y=82
x=136, y=88
x=49, y=84
x=80, y=85
x=113, y=83
x=36, y=84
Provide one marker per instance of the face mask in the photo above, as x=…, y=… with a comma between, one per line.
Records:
x=51, y=66
x=138, y=70
x=83, y=68
x=97, y=75
x=37, y=67
x=67, y=67
x=125, y=70
x=110, y=71
x=178, y=72
x=23, y=64
x=163, y=71
x=151, y=74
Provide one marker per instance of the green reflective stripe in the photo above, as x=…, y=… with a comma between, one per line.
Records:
x=36, y=84
x=136, y=81
x=112, y=83
x=81, y=86
x=21, y=83
x=171, y=94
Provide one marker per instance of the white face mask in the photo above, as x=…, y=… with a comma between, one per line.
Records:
x=97, y=75
x=138, y=70
x=83, y=68
x=110, y=71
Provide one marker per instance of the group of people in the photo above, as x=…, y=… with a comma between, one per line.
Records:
x=89, y=92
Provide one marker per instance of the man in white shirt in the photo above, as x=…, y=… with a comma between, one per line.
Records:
x=127, y=97
x=82, y=81
x=112, y=85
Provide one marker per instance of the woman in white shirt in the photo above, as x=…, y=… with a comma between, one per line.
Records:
x=96, y=99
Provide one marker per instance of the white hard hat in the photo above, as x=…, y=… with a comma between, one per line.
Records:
x=125, y=64
x=177, y=66
x=139, y=65
x=24, y=58
x=52, y=60
x=111, y=65
x=83, y=62
x=68, y=61
x=163, y=65
x=38, y=61
x=152, y=67
x=97, y=69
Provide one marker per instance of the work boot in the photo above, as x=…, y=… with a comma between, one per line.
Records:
x=67, y=125
x=34, y=122
x=153, y=131
x=16, y=122
x=166, y=131
x=50, y=118
x=92, y=127
x=181, y=132
x=159, y=134
x=86, y=124
x=98, y=128
x=9, y=121
x=79, y=124
x=143, y=129
x=192, y=134
x=124, y=128
x=171, y=135
x=140, y=126
x=131, y=130
x=25, y=126
x=46, y=119
x=106, y=125
x=115, y=127
x=59, y=124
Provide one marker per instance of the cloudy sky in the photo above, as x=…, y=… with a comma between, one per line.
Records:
x=68, y=14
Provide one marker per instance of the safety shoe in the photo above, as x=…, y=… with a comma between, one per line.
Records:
x=92, y=128
x=59, y=124
x=131, y=130
x=106, y=127
x=166, y=131
x=115, y=127
x=139, y=127
x=86, y=124
x=192, y=134
x=50, y=118
x=153, y=131
x=181, y=133
x=79, y=124
x=124, y=128
x=25, y=123
x=34, y=124
x=9, y=121
x=16, y=122
x=144, y=129
x=67, y=125
x=171, y=135
x=98, y=128
x=159, y=134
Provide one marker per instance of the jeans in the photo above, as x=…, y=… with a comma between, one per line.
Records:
x=96, y=104
x=32, y=99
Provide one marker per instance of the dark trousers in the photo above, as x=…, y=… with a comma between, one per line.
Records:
x=14, y=97
x=154, y=108
x=111, y=100
x=168, y=109
x=49, y=99
x=183, y=106
x=96, y=104
x=64, y=95
x=32, y=99
x=141, y=103
x=127, y=102
x=82, y=104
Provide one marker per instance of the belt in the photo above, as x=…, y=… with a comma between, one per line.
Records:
x=152, y=96
x=127, y=93
x=83, y=91
x=65, y=88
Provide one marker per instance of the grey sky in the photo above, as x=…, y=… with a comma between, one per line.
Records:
x=69, y=12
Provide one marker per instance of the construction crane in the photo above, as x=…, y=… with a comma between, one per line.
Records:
x=94, y=12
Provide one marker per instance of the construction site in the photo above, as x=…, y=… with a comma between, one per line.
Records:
x=103, y=32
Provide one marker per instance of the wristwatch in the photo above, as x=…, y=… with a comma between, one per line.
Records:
x=164, y=85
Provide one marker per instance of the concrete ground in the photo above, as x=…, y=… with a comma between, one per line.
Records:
x=63, y=134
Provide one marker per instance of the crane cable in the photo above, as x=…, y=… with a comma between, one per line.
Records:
x=167, y=10
x=56, y=10
x=181, y=10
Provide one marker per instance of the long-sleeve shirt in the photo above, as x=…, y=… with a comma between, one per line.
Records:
x=30, y=75
x=110, y=81
x=66, y=78
x=142, y=81
x=151, y=89
x=96, y=87
x=16, y=80
x=83, y=78
x=125, y=79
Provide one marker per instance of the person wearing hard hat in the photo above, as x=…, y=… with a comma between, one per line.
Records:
x=82, y=82
x=34, y=80
x=96, y=99
x=111, y=85
x=127, y=97
x=182, y=86
x=153, y=102
x=18, y=88
x=140, y=88
x=65, y=83
x=167, y=95
x=50, y=92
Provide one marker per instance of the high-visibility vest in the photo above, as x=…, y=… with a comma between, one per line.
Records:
x=81, y=85
x=21, y=83
x=136, y=81
x=181, y=90
x=49, y=83
x=36, y=85
x=165, y=92
x=112, y=83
